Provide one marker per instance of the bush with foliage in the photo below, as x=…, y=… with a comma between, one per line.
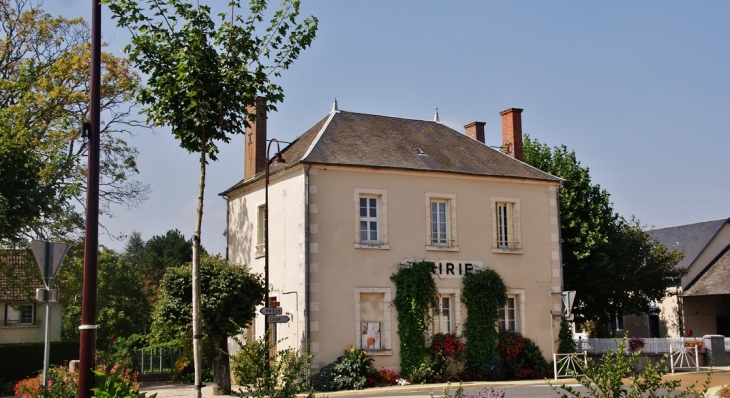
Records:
x=567, y=344
x=280, y=378
x=520, y=357
x=115, y=381
x=349, y=372
x=62, y=383
x=415, y=295
x=483, y=295
x=352, y=370
x=384, y=377
x=724, y=391
x=447, y=357
x=606, y=380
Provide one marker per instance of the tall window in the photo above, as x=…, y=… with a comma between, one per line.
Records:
x=19, y=315
x=505, y=230
x=369, y=230
x=261, y=230
x=440, y=223
x=506, y=225
x=443, y=316
x=508, y=316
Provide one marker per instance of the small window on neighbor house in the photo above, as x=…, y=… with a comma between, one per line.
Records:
x=261, y=229
x=440, y=228
x=369, y=220
x=508, y=316
x=19, y=315
x=443, y=315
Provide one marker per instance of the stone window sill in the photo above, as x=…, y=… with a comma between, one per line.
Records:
x=372, y=246
x=443, y=248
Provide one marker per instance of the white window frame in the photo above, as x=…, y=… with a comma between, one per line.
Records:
x=455, y=311
x=260, y=230
x=381, y=218
x=451, y=243
x=518, y=295
x=506, y=210
x=385, y=326
x=13, y=315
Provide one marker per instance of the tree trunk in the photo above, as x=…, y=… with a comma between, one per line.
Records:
x=197, y=330
x=221, y=366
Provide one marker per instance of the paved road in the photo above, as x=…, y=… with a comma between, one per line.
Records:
x=514, y=389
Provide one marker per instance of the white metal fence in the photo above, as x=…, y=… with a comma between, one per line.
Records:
x=651, y=345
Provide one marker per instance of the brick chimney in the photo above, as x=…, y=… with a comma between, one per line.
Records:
x=475, y=130
x=512, y=132
x=255, y=154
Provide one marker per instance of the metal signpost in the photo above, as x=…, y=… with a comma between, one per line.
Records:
x=271, y=311
x=278, y=319
x=49, y=256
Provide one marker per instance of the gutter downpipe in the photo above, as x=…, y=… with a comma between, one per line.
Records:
x=228, y=225
x=306, y=266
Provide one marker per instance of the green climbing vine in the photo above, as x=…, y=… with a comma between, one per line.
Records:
x=484, y=294
x=415, y=294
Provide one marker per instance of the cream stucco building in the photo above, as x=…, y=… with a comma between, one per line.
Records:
x=359, y=194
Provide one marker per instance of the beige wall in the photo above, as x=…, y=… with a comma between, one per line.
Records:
x=286, y=234
x=700, y=313
x=341, y=270
x=28, y=334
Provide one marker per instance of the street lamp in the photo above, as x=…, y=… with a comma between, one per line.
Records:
x=278, y=159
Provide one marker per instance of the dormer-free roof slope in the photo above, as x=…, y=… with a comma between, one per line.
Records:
x=362, y=140
x=693, y=238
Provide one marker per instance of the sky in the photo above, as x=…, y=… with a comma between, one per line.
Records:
x=639, y=90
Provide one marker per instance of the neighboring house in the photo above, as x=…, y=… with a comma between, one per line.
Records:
x=703, y=306
x=22, y=316
x=360, y=194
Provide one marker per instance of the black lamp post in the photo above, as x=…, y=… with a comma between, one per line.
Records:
x=278, y=159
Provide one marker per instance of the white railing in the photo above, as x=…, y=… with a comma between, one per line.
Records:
x=686, y=358
x=569, y=365
x=651, y=345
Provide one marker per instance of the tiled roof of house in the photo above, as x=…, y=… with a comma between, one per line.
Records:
x=357, y=139
x=693, y=238
x=714, y=280
x=19, y=275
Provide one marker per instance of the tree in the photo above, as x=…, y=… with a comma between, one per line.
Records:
x=162, y=252
x=231, y=294
x=204, y=77
x=44, y=69
x=605, y=257
x=120, y=312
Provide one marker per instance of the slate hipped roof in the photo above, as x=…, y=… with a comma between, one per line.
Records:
x=693, y=238
x=357, y=139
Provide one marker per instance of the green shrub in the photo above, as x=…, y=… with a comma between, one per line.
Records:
x=422, y=374
x=567, y=344
x=324, y=379
x=62, y=383
x=483, y=295
x=283, y=376
x=116, y=382
x=415, y=295
x=606, y=380
x=352, y=370
x=520, y=357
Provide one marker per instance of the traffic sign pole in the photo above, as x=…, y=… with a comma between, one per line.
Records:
x=49, y=256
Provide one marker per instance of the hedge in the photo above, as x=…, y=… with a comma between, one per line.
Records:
x=24, y=360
